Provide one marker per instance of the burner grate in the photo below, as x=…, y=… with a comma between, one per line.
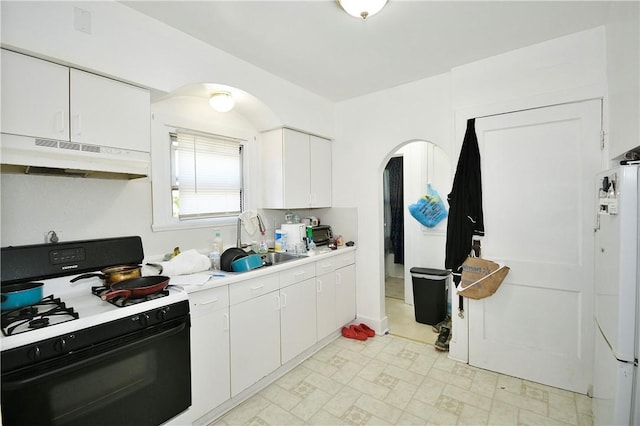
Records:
x=36, y=316
x=122, y=302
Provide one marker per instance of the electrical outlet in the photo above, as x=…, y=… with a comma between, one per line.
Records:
x=52, y=237
x=82, y=20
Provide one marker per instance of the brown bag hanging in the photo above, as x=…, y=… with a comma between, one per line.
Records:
x=480, y=278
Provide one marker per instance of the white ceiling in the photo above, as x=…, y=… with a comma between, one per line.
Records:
x=316, y=45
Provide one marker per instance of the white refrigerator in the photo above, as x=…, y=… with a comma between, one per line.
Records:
x=616, y=382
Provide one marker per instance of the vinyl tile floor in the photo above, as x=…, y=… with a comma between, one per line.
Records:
x=392, y=380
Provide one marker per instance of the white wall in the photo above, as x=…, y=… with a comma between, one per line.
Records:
x=566, y=69
x=129, y=46
x=370, y=130
x=623, y=76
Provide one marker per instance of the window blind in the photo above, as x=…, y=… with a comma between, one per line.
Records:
x=207, y=174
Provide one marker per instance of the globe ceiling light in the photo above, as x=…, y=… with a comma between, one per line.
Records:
x=362, y=8
x=221, y=101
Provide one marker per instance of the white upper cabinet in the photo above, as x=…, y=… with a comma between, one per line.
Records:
x=296, y=170
x=35, y=97
x=109, y=113
x=45, y=100
x=320, y=171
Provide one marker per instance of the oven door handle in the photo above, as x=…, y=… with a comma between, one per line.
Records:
x=15, y=384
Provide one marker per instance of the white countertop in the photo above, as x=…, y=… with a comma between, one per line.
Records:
x=210, y=279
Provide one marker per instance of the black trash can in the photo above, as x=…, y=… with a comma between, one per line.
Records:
x=429, y=294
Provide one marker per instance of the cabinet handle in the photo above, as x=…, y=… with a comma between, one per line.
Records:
x=258, y=287
x=208, y=302
x=299, y=274
x=225, y=326
x=319, y=286
x=284, y=300
x=338, y=279
x=78, y=126
x=278, y=303
x=60, y=121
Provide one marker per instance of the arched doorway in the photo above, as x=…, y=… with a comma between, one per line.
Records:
x=422, y=162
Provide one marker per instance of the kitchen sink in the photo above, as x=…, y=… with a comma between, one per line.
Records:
x=275, y=258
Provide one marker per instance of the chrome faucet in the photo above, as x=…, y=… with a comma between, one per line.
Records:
x=261, y=224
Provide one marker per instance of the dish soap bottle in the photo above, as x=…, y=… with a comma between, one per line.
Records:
x=263, y=248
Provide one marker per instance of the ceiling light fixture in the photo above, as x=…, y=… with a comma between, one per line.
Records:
x=362, y=8
x=221, y=101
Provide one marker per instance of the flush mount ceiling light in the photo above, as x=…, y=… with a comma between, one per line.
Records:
x=362, y=8
x=221, y=101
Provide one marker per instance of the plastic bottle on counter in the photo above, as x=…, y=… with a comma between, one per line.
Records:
x=280, y=241
x=311, y=245
x=217, y=239
x=214, y=256
x=262, y=244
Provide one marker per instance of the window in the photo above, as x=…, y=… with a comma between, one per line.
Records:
x=206, y=175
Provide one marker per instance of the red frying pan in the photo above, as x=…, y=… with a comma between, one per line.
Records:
x=137, y=287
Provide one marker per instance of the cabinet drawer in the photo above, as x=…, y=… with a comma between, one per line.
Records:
x=325, y=266
x=209, y=300
x=345, y=259
x=295, y=275
x=245, y=290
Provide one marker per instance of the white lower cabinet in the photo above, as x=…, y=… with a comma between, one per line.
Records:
x=345, y=294
x=297, y=318
x=245, y=331
x=336, y=293
x=255, y=330
x=326, y=298
x=209, y=350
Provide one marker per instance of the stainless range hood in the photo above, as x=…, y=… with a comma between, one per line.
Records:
x=23, y=154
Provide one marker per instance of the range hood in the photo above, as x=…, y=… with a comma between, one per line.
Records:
x=23, y=154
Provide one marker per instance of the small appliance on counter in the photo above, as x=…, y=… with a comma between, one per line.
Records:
x=321, y=234
x=296, y=232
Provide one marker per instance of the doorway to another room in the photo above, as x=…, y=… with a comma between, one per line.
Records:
x=406, y=242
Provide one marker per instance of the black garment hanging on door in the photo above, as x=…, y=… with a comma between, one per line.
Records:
x=465, y=205
x=396, y=193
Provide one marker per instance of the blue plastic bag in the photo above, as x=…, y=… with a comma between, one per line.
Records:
x=429, y=210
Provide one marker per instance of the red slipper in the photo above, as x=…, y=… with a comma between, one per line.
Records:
x=360, y=333
x=350, y=333
x=368, y=330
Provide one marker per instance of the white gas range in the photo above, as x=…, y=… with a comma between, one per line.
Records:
x=60, y=346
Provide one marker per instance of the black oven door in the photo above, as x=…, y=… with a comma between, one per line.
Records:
x=140, y=379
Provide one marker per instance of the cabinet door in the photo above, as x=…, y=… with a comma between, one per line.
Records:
x=320, y=171
x=326, y=303
x=109, y=113
x=35, y=97
x=296, y=169
x=255, y=340
x=298, y=318
x=345, y=294
x=210, y=379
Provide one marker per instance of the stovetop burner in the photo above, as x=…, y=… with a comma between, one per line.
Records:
x=121, y=302
x=41, y=314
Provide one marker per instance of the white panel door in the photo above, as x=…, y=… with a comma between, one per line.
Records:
x=538, y=168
